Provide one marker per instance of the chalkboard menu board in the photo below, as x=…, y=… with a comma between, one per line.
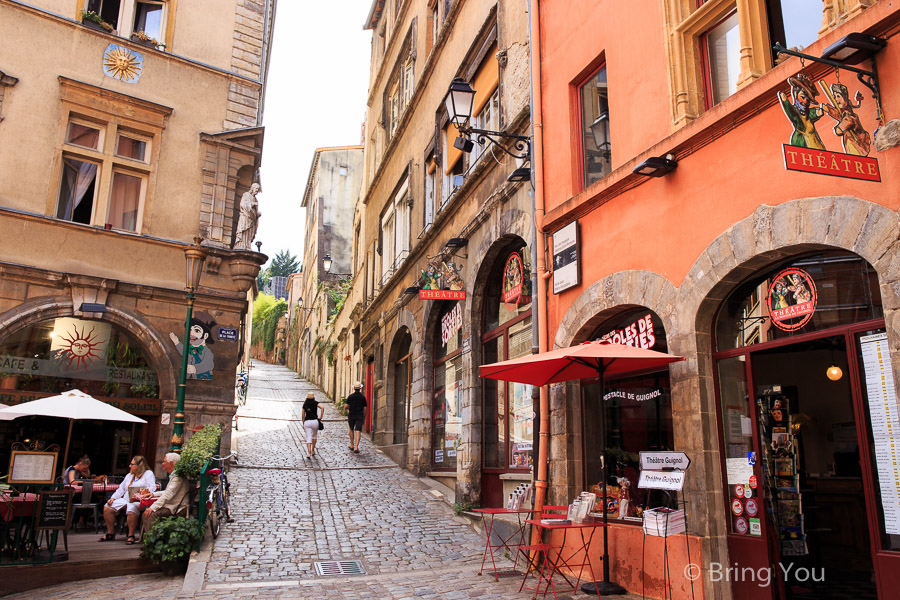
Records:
x=54, y=509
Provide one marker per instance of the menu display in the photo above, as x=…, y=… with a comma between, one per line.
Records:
x=32, y=467
x=885, y=424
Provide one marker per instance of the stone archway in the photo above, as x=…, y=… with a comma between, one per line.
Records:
x=51, y=307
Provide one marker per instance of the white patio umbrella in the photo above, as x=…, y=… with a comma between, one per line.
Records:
x=71, y=404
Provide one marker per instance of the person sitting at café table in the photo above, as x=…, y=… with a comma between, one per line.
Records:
x=139, y=476
x=171, y=501
x=80, y=470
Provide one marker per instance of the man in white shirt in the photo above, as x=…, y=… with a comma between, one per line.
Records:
x=171, y=501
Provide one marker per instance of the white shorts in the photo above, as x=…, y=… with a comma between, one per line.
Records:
x=130, y=507
x=312, y=430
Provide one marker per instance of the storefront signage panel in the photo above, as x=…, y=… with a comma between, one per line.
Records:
x=823, y=115
x=135, y=406
x=639, y=334
x=451, y=323
x=661, y=461
x=566, y=272
x=661, y=480
x=514, y=281
x=442, y=281
x=60, y=367
x=824, y=162
x=792, y=299
x=885, y=425
x=442, y=294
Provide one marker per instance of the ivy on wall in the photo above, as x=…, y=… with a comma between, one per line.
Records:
x=266, y=312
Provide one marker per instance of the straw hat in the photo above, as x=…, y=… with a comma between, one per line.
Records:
x=357, y=385
x=311, y=396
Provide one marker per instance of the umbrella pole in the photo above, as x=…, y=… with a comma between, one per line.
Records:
x=66, y=455
x=605, y=587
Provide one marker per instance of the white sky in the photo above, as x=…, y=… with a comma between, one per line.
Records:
x=316, y=97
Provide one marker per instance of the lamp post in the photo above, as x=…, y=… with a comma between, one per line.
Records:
x=194, y=256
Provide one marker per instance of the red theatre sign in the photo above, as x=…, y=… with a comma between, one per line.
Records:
x=442, y=294
x=830, y=163
x=792, y=299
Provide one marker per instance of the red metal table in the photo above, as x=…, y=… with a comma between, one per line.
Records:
x=489, y=547
x=558, y=557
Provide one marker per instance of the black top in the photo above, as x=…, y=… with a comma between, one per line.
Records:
x=310, y=410
x=356, y=404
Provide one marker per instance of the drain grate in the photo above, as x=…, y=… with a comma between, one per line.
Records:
x=331, y=568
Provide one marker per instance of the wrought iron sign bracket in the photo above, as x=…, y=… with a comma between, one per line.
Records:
x=867, y=78
x=520, y=142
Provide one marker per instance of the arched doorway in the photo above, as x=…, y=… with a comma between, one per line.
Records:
x=507, y=408
x=401, y=358
x=805, y=408
x=100, y=358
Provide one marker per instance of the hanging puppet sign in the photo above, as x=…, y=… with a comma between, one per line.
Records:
x=200, y=357
x=805, y=108
x=442, y=281
x=791, y=299
x=516, y=284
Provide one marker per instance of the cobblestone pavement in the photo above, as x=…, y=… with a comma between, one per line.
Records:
x=291, y=511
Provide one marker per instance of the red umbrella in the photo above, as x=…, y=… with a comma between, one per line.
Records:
x=586, y=361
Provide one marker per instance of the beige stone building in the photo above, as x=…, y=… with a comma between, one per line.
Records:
x=435, y=217
x=120, y=142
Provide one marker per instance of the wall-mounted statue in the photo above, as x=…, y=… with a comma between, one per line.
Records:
x=248, y=220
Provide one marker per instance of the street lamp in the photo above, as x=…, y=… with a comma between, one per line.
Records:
x=459, y=101
x=194, y=257
x=326, y=263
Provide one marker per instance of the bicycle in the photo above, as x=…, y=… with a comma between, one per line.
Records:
x=219, y=492
x=242, y=381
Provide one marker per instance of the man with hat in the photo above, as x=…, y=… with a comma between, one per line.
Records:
x=356, y=415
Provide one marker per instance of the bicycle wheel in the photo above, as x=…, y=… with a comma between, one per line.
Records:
x=225, y=494
x=213, y=517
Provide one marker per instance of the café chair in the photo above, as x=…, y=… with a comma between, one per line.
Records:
x=87, y=488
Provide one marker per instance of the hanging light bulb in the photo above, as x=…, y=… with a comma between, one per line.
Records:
x=834, y=372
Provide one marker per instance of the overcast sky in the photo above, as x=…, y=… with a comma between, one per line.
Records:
x=316, y=97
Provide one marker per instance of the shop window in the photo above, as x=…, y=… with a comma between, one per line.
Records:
x=634, y=415
x=722, y=46
x=596, y=146
x=508, y=408
x=447, y=396
x=805, y=294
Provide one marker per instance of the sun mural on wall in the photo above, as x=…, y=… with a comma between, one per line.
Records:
x=122, y=63
x=79, y=348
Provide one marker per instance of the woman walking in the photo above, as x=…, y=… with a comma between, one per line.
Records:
x=312, y=413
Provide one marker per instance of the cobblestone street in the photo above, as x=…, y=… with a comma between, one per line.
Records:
x=291, y=511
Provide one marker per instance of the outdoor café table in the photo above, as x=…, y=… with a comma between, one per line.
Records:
x=16, y=516
x=559, y=557
x=508, y=542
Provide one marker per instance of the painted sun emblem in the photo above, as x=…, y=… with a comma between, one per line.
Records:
x=122, y=63
x=78, y=347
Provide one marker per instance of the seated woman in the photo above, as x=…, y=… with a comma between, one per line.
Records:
x=80, y=470
x=139, y=476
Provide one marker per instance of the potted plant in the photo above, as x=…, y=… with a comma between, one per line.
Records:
x=8, y=381
x=91, y=19
x=142, y=38
x=169, y=543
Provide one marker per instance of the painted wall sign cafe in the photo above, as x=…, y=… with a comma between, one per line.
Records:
x=442, y=281
x=806, y=151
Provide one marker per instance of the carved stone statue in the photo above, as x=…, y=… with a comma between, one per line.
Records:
x=248, y=220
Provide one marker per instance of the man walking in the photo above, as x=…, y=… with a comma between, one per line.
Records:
x=356, y=415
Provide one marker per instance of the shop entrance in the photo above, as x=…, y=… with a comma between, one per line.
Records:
x=811, y=481
x=808, y=434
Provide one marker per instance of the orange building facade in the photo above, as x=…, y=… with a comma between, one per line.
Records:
x=767, y=256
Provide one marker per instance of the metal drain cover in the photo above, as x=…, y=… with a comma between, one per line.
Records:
x=331, y=568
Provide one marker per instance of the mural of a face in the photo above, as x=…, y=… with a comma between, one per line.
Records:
x=198, y=336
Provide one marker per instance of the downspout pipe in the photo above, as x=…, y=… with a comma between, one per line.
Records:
x=541, y=274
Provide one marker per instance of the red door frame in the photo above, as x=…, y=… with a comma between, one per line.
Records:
x=747, y=551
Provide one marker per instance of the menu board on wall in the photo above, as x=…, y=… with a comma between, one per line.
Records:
x=885, y=425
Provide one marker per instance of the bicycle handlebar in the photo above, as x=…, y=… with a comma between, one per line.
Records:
x=233, y=454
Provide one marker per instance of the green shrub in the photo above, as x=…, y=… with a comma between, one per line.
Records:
x=461, y=507
x=198, y=450
x=170, y=538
